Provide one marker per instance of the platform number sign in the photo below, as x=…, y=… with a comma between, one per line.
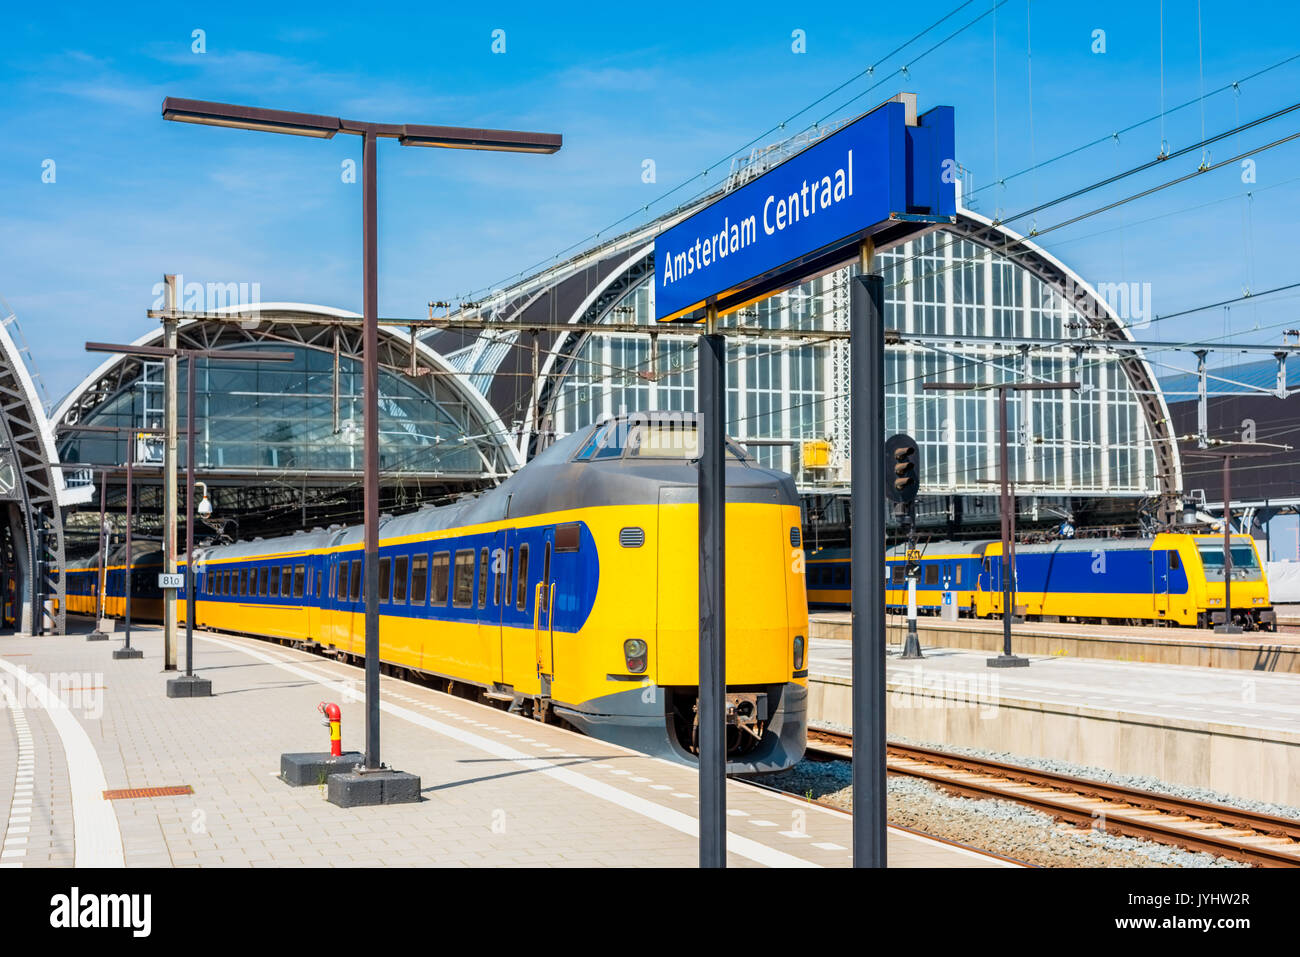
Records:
x=171, y=581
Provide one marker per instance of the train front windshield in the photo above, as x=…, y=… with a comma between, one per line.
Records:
x=1245, y=566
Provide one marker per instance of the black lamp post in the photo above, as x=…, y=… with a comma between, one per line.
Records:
x=1006, y=659
x=325, y=127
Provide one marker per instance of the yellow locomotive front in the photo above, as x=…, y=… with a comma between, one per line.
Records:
x=1250, y=604
x=640, y=645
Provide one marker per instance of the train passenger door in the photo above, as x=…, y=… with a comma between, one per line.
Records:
x=518, y=643
x=330, y=600
x=1160, y=581
x=543, y=615
x=491, y=617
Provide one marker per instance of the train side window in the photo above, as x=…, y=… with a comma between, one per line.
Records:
x=932, y=574
x=385, y=578
x=482, y=577
x=275, y=581
x=1175, y=562
x=400, y=564
x=896, y=573
x=419, y=579
x=510, y=574
x=263, y=574
x=463, y=595
x=354, y=592
x=318, y=578
x=340, y=570
x=956, y=575
x=441, y=561
x=225, y=583
x=567, y=537
x=521, y=594
x=298, y=572
x=286, y=580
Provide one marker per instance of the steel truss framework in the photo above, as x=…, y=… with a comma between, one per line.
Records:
x=30, y=451
x=629, y=260
x=285, y=495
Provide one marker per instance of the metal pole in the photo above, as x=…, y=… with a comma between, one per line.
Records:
x=130, y=456
x=189, y=515
x=37, y=551
x=370, y=388
x=103, y=565
x=712, y=493
x=867, y=420
x=1228, y=627
x=170, y=504
x=1005, y=494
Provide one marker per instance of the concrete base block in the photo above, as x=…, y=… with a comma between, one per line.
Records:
x=120, y=653
x=367, y=788
x=314, y=767
x=1008, y=661
x=189, y=686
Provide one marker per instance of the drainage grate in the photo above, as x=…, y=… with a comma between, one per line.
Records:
x=147, y=792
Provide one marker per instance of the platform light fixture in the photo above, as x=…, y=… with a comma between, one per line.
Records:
x=324, y=127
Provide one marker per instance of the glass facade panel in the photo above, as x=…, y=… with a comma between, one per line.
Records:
x=941, y=285
x=282, y=416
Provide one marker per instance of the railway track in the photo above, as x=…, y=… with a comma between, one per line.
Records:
x=1261, y=840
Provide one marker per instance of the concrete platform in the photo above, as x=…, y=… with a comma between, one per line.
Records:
x=1201, y=647
x=1236, y=732
x=497, y=789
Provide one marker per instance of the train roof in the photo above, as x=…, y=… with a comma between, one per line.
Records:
x=622, y=466
x=945, y=547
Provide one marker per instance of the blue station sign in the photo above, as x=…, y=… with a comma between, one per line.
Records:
x=876, y=172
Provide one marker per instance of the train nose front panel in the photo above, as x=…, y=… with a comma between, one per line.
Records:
x=757, y=559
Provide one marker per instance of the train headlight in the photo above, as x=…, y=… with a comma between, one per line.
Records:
x=635, y=651
x=798, y=652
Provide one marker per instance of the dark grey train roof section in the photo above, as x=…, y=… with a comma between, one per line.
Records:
x=551, y=482
x=942, y=548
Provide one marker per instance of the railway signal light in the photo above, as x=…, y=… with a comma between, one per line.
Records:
x=902, y=472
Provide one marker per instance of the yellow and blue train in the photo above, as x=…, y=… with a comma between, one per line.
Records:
x=1171, y=577
x=569, y=591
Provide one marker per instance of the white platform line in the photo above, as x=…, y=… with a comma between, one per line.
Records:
x=18, y=818
x=97, y=837
x=754, y=850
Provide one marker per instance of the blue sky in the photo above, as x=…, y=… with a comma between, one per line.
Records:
x=682, y=84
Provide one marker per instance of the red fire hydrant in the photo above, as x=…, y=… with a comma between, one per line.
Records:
x=333, y=718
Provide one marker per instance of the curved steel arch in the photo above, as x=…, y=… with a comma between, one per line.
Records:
x=38, y=478
x=984, y=232
x=305, y=326
x=1051, y=271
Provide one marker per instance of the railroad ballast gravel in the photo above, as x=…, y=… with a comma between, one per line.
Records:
x=1001, y=827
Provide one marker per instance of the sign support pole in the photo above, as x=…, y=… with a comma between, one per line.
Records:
x=867, y=421
x=711, y=713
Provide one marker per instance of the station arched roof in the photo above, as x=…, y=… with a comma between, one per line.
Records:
x=588, y=287
x=304, y=326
